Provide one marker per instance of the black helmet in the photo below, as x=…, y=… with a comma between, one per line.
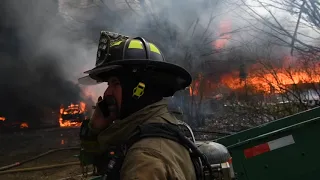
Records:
x=117, y=52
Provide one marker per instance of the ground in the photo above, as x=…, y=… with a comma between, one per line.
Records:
x=16, y=147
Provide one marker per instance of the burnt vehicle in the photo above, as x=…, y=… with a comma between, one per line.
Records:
x=73, y=115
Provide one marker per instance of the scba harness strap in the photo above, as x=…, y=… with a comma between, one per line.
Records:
x=161, y=130
x=171, y=132
x=109, y=163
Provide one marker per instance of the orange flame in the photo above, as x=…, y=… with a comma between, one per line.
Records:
x=24, y=125
x=61, y=110
x=194, y=89
x=2, y=118
x=202, y=86
x=72, y=109
x=82, y=106
x=273, y=79
x=263, y=78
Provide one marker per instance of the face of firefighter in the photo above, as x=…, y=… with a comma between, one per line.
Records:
x=113, y=92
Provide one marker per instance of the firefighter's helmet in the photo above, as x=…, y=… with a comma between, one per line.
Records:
x=117, y=52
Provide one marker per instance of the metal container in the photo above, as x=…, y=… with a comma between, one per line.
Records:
x=286, y=149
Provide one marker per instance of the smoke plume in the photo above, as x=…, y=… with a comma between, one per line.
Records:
x=46, y=45
x=34, y=81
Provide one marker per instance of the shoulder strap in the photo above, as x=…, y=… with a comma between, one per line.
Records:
x=163, y=130
x=172, y=132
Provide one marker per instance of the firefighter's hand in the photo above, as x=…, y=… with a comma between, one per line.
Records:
x=97, y=119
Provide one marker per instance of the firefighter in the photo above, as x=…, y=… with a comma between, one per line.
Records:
x=138, y=79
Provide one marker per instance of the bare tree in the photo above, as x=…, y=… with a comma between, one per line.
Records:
x=189, y=42
x=276, y=91
x=290, y=30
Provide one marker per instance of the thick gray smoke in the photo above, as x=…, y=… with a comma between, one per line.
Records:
x=46, y=45
x=183, y=29
x=33, y=82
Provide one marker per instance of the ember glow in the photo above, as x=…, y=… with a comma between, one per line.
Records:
x=194, y=88
x=24, y=125
x=73, y=115
x=2, y=118
x=202, y=86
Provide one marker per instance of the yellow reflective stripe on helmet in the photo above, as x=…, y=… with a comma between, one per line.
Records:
x=135, y=44
x=116, y=43
x=154, y=48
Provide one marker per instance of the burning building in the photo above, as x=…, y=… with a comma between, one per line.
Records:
x=296, y=78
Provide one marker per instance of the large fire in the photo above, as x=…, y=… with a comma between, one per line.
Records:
x=273, y=79
x=73, y=115
x=263, y=78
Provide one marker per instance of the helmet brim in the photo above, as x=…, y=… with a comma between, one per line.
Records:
x=87, y=80
x=102, y=69
x=183, y=77
x=92, y=78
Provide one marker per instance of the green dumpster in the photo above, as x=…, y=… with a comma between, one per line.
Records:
x=286, y=149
